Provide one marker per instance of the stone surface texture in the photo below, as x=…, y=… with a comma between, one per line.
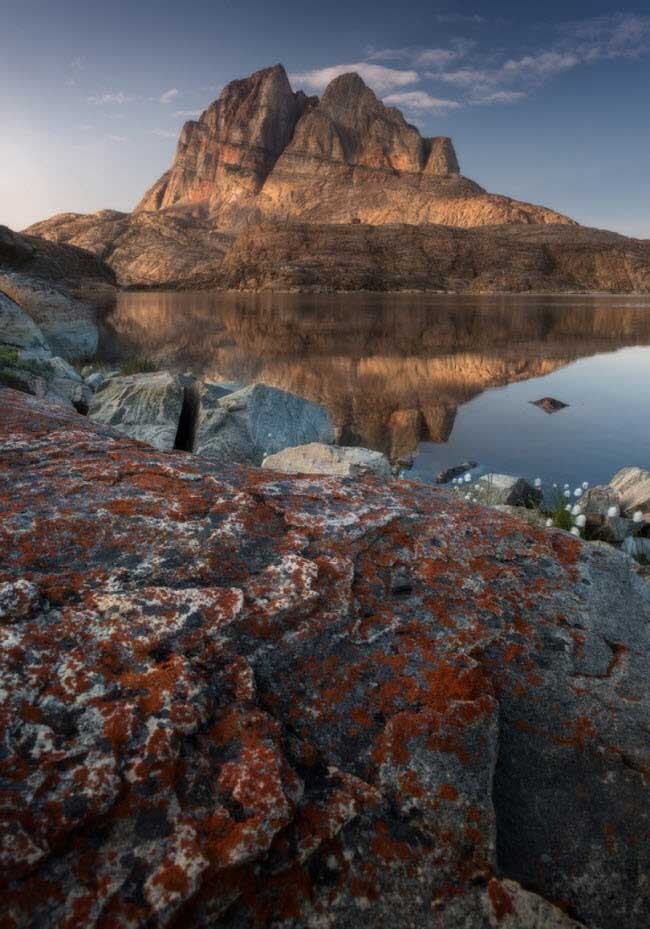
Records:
x=317, y=458
x=233, y=698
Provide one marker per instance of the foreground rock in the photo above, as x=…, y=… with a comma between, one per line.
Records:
x=317, y=458
x=27, y=363
x=241, y=699
x=142, y=406
x=256, y=421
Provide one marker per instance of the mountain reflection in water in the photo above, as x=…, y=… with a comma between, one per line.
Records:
x=393, y=370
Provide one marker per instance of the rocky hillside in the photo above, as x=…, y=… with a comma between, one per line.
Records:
x=246, y=699
x=533, y=258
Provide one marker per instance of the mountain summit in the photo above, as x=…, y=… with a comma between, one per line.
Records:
x=263, y=151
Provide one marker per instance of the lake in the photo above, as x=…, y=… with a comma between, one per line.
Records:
x=441, y=378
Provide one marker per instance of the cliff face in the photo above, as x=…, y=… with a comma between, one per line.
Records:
x=223, y=159
x=262, y=150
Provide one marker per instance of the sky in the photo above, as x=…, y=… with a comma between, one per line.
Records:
x=548, y=103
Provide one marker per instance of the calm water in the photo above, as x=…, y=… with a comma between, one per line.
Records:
x=442, y=377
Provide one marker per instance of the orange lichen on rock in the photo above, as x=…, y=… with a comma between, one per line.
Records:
x=233, y=697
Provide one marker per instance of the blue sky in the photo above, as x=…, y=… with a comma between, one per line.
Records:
x=545, y=102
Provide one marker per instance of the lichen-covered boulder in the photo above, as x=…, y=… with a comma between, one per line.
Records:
x=258, y=420
x=317, y=458
x=142, y=406
x=232, y=698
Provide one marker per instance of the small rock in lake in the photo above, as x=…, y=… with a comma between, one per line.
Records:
x=457, y=471
x=549, y=404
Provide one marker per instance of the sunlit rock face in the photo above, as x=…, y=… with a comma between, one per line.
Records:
x=263, y=150
x=390, y=371
x=236, y=698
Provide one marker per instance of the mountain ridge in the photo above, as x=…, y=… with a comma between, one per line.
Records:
x=265, y=169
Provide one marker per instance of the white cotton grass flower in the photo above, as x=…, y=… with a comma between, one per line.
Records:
x=581, y=521
x=549, y=523
x=538, y=482
x=554, y=484
x=468, y=478
x=613, y=512
x=568, y=507
x=566, y=486
x=637, y=516
x=567, y=494
x=585, y=485
x=575, y=530
x=576, y=510
x=577, y=492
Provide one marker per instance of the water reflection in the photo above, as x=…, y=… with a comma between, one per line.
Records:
x=392, y=370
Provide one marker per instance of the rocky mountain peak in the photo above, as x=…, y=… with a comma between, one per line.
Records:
x=347, y=97
x=262, y=151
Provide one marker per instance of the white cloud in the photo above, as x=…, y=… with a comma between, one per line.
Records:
x=543, y=64
x=117, y=138
x=187, y=114
x=170, y=95
x=459, y=18
x=77, y=64
x=421, y=101
x=117, y=99
x=437, y=57
x=381, y=79
x=164, y=133
x=487, y=97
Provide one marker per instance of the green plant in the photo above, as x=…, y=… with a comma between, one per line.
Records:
x=138, y=365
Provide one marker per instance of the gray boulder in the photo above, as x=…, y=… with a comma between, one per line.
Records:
x=598, y=504
x=28, y=364
x=317, y=458
x=18, y=331
x=633, y=487
x=72, y=338
x=143, y=406
x=249, y=424
x=509, y=490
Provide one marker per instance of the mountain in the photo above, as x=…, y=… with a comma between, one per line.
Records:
x=264, y=161
x=262, y=150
